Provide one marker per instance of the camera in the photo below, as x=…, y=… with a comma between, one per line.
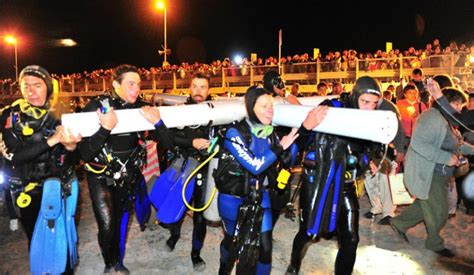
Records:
x=105, y=106
x=462, y=161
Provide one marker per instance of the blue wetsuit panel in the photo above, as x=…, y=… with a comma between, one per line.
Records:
x=255, y=158
x=228, y=206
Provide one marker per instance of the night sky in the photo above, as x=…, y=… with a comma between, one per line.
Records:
x=113, y=32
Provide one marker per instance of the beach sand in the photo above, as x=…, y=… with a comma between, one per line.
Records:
x=379, y=251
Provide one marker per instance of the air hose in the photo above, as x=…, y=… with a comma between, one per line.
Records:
x=216, y=148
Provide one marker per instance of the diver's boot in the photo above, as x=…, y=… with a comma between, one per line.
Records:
x=291, y=270
x=199, y=264
x=224, y=268
x=171, y=242
x=295, y=264
x=109, y=269
x=109, y=262
x=121, y=269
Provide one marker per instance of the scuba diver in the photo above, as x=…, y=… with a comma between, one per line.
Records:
x=280, y=198
x=328, y=199
x=274, y=83
x=246, y=169
x=37, y=150
x=113, y=165
x=191, y=143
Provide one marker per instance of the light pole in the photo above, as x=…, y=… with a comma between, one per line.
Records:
x=13, y=41
x=160, y=4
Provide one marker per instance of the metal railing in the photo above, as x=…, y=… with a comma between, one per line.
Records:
x=237, y=79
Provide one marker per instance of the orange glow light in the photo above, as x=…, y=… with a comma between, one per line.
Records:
x=10, y=39
x=160, y=5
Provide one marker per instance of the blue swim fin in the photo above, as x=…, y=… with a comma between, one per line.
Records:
x=326, y=190
x=123, y=235
x=142, y=205
x=71, y=205
x=163, y=183
x=48, y=250
x=338, y=185
x=315, y=224
x=174, y=206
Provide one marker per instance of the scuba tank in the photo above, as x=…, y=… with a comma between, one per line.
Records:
x=212, y=212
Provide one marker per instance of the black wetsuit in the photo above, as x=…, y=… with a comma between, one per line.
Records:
x=328, y=199
x=279, y=197
x=183, y=147
x=29, y=159
x=114, y=177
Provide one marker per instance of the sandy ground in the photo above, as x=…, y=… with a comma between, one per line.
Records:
x=379, y=252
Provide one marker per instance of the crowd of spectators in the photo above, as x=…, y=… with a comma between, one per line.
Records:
x=433, y=55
